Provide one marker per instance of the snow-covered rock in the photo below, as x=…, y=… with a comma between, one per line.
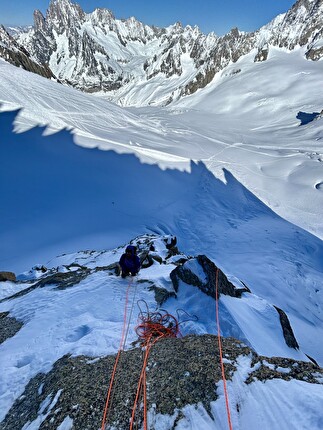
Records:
x=63, y=329
x=16, y=54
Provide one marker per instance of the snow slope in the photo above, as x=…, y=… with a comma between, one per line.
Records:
x=46, y=213
x=246, y=121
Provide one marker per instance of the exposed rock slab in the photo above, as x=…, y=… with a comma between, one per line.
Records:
x=179, y=372
x=9, y=326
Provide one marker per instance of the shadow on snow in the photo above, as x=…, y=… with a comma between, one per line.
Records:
x=59, y=197
x=305, y=117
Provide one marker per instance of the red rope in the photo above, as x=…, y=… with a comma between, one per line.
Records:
x=141, y=384
x=220, y=351
x=121, y=347
x=152, y=328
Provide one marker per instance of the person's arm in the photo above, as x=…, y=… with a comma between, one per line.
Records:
x=137, y=262
x=121, y=261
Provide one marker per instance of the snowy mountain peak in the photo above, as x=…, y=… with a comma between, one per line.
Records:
x=39, y=21
x=300, y=26
x=121, y=56
x=64, y=7
x=62, y=14
x=103, y=17
x=5, y=38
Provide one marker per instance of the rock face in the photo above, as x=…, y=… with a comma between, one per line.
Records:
x=17, y=55
x=287, y=329
x=301, y=25
x=213, y=276
x=97, y=52
x=180, y=372
x=9, y=326
x=7, y=276
x=202, y=273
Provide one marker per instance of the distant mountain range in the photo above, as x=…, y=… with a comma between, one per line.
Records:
x=97, y=52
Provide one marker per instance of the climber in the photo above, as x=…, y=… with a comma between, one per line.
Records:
x=129, y=262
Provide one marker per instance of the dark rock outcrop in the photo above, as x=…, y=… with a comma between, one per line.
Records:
x=7, y=276
x=64, y=280
x=314, y=53
x=213, y=275
x=262, y=54
x=9, y=326
x=208, y=286
x=61, y=280
x=287, y=329
x=180, y=372
x=161, y=294
x=17, y=55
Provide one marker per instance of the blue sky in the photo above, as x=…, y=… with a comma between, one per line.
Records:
x=210, y=15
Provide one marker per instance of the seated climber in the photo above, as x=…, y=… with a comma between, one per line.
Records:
x=129, y=262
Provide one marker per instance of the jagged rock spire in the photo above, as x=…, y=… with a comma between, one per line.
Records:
x=63, y=14
x=39, y=21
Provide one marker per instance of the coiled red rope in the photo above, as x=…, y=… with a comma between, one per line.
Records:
x=152, y=328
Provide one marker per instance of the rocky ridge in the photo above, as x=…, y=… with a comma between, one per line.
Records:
x=16, y=54
x=184, y=272
x=181, y=371
x=97, y=52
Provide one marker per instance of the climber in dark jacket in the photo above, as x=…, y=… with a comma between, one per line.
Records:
x=129, y=262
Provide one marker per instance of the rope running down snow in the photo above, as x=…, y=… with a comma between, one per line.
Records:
x=121, y=348
x=220, y=350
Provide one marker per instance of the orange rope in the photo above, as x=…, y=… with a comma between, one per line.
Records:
x=152, y=328
x=121, y=347
x=141, y=384
x=220, y=351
